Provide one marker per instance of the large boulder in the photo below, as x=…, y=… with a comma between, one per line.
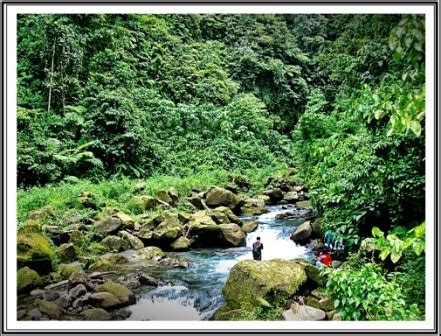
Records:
x=108, y=225
x=168, y=230
x=115, y=243
x=248, y=227
x=272, y=280
x=150, y=253
x=181, y=244
x=275, y=195
x=203, y=229
x=302, y=232
x=126, y=220
x=35, y=251
x=230, y=215
x=134, y=242
x=108, y=262
x=303, y=313
x=291, y=197
x=253, y=207
x=104, y=300
x=232, y=234
x=124, y=295
x=222, y=197
x=27, y=279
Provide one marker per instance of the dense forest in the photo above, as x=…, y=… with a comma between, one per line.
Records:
x=332, y=102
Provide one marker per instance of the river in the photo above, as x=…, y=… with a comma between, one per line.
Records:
x=195, y=293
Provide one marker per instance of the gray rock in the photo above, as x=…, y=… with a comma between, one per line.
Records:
x=79, y=277
x=50, y=295
x=115, y=243
x=291, y=197
x=37, y=293
x=49, y=308
x=147, y=280
x=104, y=300
x=303, y=232
x=64, y=301
x=96, y=314
x=108, y=225
x=34, y=314
x=303, y=313
x=77, y=291
x=275, y=195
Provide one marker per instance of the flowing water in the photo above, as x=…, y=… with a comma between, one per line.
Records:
x=195, y=293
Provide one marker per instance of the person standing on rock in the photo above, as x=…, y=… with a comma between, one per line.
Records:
x=257, y=249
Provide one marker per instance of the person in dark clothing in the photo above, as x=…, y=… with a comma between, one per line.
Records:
x=257, y=249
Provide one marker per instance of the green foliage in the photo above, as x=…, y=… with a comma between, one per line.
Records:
x=394, y=246
x=364, y=293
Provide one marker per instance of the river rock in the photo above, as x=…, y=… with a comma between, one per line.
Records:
x=265, y=198
x=150, y=253
x=232, y=234
x=50, y=295
x=273, y=280
x=324, y=303
x=168, y=230
x=121, y=292
x=248, y=227
x=27, y=279
x=315, y=244
x=64, y=301
x=291, y=197
x=127, y=221
x=78, y=291
x=317, y=228
x=49, y=308
x=303, y=313
x=108, y=225
x=219, y=217
x=115, y=243
x=229, y=213
x=275, y=195
x=147, y=280
x=79, y=277
x=196, y=200
x=181, y=244
x=253, y=207
x=67, y=252
x=108, y=262
x=221, y=197
x=35, y=251
x=34, y=314
x=135, y=242
x=96, y=314
x=302, y=233
x=104, y=300
x=304, y=205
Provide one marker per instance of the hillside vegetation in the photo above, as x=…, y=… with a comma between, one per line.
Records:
x=108, y=101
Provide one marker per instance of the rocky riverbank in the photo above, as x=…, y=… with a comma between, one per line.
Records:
x=50, y=259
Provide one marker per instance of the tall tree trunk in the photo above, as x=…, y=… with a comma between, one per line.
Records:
x=51, y=78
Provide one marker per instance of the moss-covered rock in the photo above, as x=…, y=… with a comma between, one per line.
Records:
x=304, y=205
x=230, y=215
x=273, y=280
x=313, y=273
x=232, y=234
x=115, y=243
x=108, y=225
x=317, y=227
x=133, y=241
x=96, y=314
x=169, y=229
x=275, y=195
x=221, y=197
x=35, y=251
x=64, y=271
x=124, y=295
x=27, y=279
x=104, y=300
x=164, y=196
x=248, y=227
x=181, y=244
x=184, y=217
x=126, y=220
x=108, y=262
x=302, y=232
x=150, y=253
x=253, y=207
x=67, y=252
x=324, y=304
x=46, y=212
x=49, y=308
